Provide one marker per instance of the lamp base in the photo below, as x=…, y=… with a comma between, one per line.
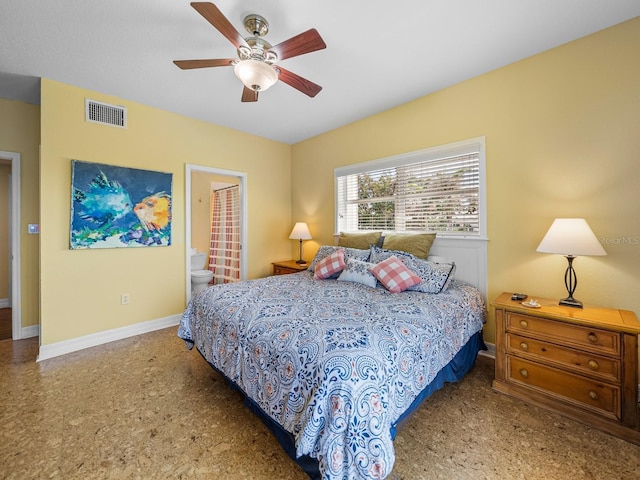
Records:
x=300, y=260
x=571, y=302
x=571, y=282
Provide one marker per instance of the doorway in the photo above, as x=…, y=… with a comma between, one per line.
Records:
x=11, y=163
x=215, y=178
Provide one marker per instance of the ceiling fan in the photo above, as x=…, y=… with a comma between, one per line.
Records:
x=256, y=63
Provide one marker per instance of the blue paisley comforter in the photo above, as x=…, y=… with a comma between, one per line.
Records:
x=334, y=363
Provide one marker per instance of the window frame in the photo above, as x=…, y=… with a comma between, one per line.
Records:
x=463, y=147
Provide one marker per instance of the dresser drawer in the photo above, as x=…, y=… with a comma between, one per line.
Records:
x=584, y=363
x=590, y=339
x=583, y=392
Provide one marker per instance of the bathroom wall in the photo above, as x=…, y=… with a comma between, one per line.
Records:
x=201, y=206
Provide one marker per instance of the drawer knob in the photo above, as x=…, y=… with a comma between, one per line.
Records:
x=524, y=373
x=593, y=365
x=524, y=323
x=524, y=346
x=593, y=395
x=593, y=338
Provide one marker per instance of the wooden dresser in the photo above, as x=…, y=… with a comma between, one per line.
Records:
x=582, y=363
x=288, y=266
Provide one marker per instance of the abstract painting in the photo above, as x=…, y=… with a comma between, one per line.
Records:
x=115, y=207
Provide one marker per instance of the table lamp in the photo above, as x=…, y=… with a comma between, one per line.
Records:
x=300, y=232
x=570, y=237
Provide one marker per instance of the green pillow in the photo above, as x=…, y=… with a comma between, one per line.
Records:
x=361, y=241
x=417, y=244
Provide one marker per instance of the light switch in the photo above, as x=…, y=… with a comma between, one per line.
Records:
x=34, y=228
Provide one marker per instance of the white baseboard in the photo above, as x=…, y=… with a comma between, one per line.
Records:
x=490, y=351
x=95, y=339
x=4, y=303
x=30, y=331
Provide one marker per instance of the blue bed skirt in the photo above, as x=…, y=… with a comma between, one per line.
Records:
x=457, y=368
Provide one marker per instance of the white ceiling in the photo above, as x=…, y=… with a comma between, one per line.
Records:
x=379, y=53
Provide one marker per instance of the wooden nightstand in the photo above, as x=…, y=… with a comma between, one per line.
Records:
x=580, y=362
x=288, y=266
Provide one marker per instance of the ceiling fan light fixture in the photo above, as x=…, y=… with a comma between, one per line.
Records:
x=256, y=75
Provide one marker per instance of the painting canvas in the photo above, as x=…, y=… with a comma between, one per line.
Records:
x=115, y=207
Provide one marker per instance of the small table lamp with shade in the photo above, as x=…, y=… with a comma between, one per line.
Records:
x=300, y=232
x=570, y=237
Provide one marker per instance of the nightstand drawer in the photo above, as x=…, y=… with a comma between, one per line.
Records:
x=585, y=393
x=586, y=338
x=288, y=266
x=283, y=270
x=584, y=363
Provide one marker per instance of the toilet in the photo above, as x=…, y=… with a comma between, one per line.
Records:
x=199, y=278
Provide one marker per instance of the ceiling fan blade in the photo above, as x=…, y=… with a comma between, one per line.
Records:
x=216, y=18
x=306, y=42
x=249, y=95
x=296, y=81
x=219, y=62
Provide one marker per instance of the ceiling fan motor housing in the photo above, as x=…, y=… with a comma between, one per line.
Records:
x=258, y=50
x=256, y=25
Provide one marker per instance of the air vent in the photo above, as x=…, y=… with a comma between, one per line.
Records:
x=98, y=112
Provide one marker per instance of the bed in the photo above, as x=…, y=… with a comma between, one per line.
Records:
x=334, y=366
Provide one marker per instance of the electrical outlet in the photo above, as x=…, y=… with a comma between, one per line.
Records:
x=124, y=299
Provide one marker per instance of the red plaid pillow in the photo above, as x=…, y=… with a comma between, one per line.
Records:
x=394, y=275
x=329, y=265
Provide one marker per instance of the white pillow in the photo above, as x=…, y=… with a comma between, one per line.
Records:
x=358, y=271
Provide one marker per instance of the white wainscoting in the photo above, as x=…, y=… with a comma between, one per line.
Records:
x=100, y=338
x=469, y=255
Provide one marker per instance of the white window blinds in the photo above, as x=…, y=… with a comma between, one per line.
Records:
x=436, y=190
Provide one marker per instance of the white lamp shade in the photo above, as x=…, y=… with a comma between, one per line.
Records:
x=570, y=236
x=300, y=232
x=256, y=75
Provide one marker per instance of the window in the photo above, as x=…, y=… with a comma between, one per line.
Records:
x=439, y=190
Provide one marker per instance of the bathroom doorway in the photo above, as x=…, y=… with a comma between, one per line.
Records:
x=200, y=182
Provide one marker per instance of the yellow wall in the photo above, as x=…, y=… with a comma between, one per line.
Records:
x=561, y=130
x=20, y=133
x=562, y=139
x=80, y=289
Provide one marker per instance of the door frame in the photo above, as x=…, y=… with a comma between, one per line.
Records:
x=14, y=240
x=242, y=177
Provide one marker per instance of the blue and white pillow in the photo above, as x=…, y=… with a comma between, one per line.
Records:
x=436, y=277
x=358, y=271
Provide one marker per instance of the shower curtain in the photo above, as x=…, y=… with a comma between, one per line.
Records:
x=224, y=254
